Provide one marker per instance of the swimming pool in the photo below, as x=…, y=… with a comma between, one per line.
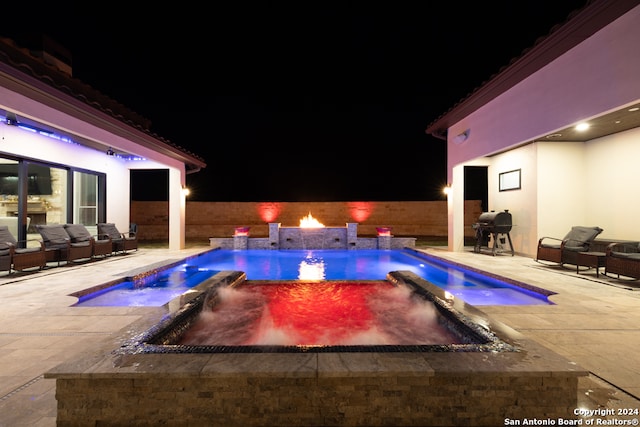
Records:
x=323, y=264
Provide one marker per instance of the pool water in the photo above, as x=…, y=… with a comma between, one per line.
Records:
x=318, y=313
x=322, y=264
x=150, y=291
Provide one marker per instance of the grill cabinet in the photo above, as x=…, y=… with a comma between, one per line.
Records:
x=494, y=225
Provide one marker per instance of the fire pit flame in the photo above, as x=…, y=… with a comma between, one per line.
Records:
x=310, y=222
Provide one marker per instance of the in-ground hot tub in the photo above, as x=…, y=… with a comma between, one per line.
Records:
x=491, y=373
x=336, y=316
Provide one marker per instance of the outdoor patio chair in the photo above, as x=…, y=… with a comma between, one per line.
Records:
x=565, y=250
x=122, y=242
x=19, y=256
x=102, y=245
x=12, y=223
x=58, y=245
x=623, y=259
x=5, y=259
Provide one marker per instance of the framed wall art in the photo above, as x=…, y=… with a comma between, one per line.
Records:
x=509, y=180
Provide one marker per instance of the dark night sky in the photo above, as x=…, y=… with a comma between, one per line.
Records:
x=297, y=101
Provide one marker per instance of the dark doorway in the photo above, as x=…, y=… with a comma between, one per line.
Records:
x=150, y=185
x=475, y=185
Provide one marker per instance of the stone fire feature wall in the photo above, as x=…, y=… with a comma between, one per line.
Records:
x=312, y=238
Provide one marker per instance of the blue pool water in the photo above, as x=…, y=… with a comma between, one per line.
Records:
x=362, y=264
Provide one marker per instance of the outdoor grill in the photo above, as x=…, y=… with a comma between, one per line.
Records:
x=494, y=225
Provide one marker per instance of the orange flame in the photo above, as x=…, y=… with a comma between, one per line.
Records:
x=310, y=222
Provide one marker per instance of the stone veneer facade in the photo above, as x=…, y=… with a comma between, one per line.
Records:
x=311, y=390
x=312, y=238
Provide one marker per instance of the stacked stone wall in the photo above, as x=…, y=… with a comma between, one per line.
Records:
x=407, y=399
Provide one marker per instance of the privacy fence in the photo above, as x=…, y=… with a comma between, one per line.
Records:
x=219, y=219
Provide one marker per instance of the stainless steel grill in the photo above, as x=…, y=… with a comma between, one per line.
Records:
x=493, y=226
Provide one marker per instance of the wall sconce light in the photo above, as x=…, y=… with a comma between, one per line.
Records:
x=12, y=120
x=447, y=189
x=462, y=137
x=185, y=191
x=110, y=152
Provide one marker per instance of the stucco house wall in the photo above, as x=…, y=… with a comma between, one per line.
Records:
x=564, y=184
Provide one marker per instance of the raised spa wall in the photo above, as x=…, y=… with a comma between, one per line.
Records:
x=312, y=238
x=481, y=386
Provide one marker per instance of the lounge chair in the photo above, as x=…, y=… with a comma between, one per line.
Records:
x=102, y=245
x=122, y=242
x=12, y=223
x=58, y=245
x=623, y=259
x=5, y=259
x=565, y=250
x=18, y=257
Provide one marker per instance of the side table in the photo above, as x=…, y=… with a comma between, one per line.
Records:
x=591, y=259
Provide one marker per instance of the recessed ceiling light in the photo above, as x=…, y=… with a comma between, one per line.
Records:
x=634, y=109
x=582, y=126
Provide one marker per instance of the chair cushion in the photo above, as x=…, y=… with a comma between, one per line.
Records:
x=53, y=235
x=110, y=230
x=579, y=236
x=627, y=255
x=28, y=250
x=77, y=232
x=80, y=244
x=550, y=246
x=6, y=237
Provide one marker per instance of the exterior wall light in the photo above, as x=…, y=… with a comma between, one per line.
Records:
x=462, y=137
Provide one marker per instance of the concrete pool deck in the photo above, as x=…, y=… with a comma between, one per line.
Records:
x=595, y=323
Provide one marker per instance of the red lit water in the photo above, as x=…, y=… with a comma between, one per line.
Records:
x=318, y=313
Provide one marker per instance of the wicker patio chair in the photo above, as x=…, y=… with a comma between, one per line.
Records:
x=565, y=250
x=5, y=260
x=623, y=259
x=19, y=256
x=122, y=242
x=59, y=247
x=102, y=245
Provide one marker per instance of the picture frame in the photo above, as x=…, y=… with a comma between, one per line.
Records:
x=510, y=180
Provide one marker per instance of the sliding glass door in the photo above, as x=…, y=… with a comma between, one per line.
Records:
x=85, y=200
x=33, y=193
